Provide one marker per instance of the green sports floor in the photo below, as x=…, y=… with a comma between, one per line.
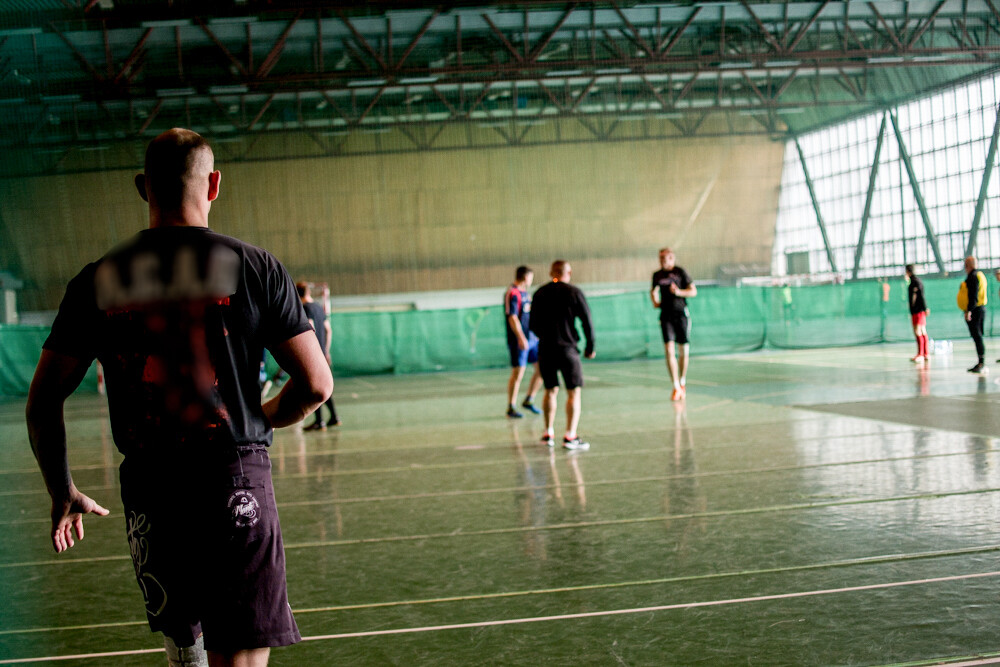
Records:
x=821, y=507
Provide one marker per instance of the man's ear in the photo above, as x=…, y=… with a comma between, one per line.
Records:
x=213, y=184
x=140, y=185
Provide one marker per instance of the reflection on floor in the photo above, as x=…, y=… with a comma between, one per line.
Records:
x=823, y=507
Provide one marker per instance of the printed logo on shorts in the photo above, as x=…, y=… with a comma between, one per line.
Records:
x=245, y=509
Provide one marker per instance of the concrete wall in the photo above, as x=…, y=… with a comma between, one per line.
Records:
x=437, y=219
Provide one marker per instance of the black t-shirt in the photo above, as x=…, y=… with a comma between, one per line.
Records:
x=315, y=312
x=554, y=311
x=179, y=317
x=669, y=303
x=915, y=292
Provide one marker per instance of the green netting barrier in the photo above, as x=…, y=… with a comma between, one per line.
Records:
x=725, y=319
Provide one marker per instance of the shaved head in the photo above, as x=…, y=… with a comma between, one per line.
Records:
x=177, y=163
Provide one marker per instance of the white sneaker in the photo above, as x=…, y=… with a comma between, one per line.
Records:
x=575, y=443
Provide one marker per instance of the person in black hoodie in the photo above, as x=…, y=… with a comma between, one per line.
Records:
x=975, y=310
x=555, y=309
x=918, y=313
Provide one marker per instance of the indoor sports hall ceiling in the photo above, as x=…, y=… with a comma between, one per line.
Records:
x=89, y=81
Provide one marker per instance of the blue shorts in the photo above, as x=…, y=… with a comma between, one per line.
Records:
x=519, y=357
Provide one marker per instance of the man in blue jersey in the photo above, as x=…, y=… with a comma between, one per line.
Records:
x=522, y=343
x=179, y=317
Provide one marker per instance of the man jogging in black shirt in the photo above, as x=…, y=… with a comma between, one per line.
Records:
x=672, y=287
x=555, y=309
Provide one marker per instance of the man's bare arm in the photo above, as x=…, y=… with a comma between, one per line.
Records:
x=329, y=339
x=653, y=294
x=310, y=381
x=687, y=293
x=56, y=377
x=515, y=325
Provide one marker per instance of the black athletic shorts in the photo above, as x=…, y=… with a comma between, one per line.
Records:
x=675, y=327
x=206, y=546
x=560, y=359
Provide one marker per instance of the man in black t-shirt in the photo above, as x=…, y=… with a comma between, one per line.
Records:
x=179, y=317
x=324, y=332
x=555, y=309
x=672, y=286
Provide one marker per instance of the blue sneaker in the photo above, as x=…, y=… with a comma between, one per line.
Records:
x=529, y=406
x=513, y=414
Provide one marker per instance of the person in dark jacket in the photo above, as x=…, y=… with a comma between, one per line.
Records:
x=555, y=309
x=975, y=310
x=918, y=312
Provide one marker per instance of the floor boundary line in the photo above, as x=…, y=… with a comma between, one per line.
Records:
x=506, y=461
x=902, y=428
x=564, y=526
x=655, y=608
x=853, y=562
x=568, y=617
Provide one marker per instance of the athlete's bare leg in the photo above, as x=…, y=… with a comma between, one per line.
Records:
x=514, y=383
x=919, y=331
x=255, y=657
x=682, y=363
x=574, y=401
x=534, y=385
x=672, y=363
x=549, y=409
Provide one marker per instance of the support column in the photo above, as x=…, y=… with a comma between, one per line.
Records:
x=868, y=199
x=815, y=203
x=915, y=185
x=987, y=171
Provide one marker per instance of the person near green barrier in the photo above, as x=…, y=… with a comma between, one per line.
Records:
x=522, y=343
x=972, y=300
x=918, y=312
x=179, y=317
x=556, y=308
x=321, y=325
x=996, y=274
x=672, y=287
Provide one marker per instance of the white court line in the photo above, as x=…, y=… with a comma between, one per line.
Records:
x=965, y=663
x=276, y=453
x=657, y=378
x=862, y=561
x=597, y=483
x=566, y=617
x=82, y=656
x=643, y=610
x=800, y=507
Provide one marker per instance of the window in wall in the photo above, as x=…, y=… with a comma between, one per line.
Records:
x=946, y=136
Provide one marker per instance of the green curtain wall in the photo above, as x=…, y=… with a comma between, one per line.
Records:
x=724, y=319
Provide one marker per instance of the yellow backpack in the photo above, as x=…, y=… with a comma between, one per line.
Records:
x=963, y=293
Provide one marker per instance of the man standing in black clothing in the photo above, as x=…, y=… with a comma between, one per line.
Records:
x=179, y=317
x=672, y=286
x=555, y=309
x=324, y=332
x=918, y=312
x=975, y=309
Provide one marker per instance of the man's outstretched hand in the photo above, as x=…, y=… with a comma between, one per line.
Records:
x=67, y=518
